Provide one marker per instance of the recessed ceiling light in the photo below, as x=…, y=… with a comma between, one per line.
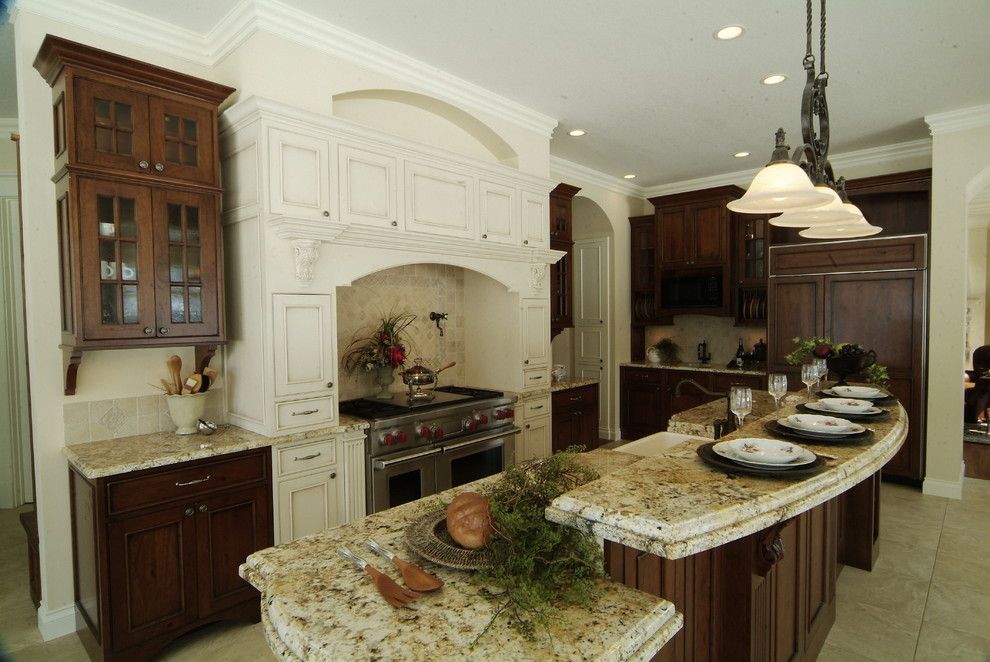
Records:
x=739, y=155
x=629, y=176
x=729, y=32
x=576, y=132
x=774, y=79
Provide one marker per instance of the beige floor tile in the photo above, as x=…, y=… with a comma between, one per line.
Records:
x=975, y=486
x=63, y=649
x=938, y=644
x=924, y=535
x=952, y=606
x=871, y=631
x=963, y=541
x=894, y=592
x=221, y=642
x=830, y=653
x=964, y=572
x=906, y=558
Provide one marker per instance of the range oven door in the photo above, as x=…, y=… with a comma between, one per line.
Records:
x=400, y=478
x=467, y=460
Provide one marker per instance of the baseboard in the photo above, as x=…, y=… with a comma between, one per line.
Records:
x=943, y=488
x=57, y=622
x=607, y=433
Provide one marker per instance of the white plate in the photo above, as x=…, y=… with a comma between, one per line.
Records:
x=764, y=451
x=846, y=405
x=864, y=392
x=803, y=457
x=824, y=425
x=816, y=406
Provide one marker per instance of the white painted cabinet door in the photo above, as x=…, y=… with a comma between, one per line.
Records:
x=299, y=174
x=438, y=201
x=535, y=219
x=367, y=187
x=309, y=504
x=534, y=442
x=588, y=268
x=535, y=332
x=498, y=213
x=304, y=339
x=589, y=344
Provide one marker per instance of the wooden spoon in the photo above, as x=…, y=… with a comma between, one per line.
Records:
x=415, y=577
x=394, y=594
x=174, y=365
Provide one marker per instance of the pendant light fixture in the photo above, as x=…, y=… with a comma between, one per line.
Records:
x=802, y=185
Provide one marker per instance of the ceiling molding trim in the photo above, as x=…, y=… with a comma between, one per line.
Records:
x=738, y=178
x=122, y=23
x=232, y=30
x=563, y=169
x=958, y=120
x=8, y=125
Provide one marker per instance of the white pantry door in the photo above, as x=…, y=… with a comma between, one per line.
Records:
x=591, y=322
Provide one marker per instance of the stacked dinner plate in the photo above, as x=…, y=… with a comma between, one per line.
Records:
x=819, y=428
x=765, y=454
x=853, y=407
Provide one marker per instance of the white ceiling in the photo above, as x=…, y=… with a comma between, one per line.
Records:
x=658, y=95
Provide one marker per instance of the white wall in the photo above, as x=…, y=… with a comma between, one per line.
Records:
x=976, y=290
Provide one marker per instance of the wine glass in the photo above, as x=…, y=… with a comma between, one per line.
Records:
x=821, y=367
x=809, y=375
x=777, y=387
x=741, y=402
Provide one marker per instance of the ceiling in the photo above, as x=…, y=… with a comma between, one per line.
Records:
x=656, y=93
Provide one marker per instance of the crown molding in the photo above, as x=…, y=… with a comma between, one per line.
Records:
x=737, y=178
x=8, y=125
x=958, y=120
x=568, y=170
x=250, y=16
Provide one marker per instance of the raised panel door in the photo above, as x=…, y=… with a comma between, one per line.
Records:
x=117, y=260
x=304, y=340
x=590, y=279
x=683, y=394
x=710, y=235
x=566, y=431
x=182, y=140
x=561, y=289
x=367, y=187
x=643, y=409
x=535, y=332
x=535, y=220
x=560, y=218
x=439, y=201
x=299, y=179
x=534, y=442
x=188, y=277
x=111, y=126
x=795, y=309
x=674, y=237
x=643, y=240
x=589, y=345
x=498, y=210
x=309, y=504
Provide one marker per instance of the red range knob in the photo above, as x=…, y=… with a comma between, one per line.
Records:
x=438, y=433
x=390, y=439
x=401, y=437
x=499, y=414
x=509, y=413
x=424, y=432
x=483, y=418
x=473, y=425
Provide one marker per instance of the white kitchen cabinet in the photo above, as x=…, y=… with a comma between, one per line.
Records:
x=498, y=213
x=299, y=174
x=535, y=332
x=308, y=504
x=368, y=187
x=535, y=219
x=439, y=201
x=304, y=338
x=534, y=442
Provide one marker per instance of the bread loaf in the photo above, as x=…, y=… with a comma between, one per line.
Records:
x=469, y=520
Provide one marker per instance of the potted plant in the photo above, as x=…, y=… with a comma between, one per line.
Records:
x=383, y=351
x=843, y=359
x=664, y=350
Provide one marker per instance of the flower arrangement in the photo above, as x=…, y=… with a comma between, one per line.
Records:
x=826, y=348
x=667, y=349
x=384, y=348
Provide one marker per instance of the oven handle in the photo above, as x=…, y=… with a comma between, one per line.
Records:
x=379, y=465
x=478, y=440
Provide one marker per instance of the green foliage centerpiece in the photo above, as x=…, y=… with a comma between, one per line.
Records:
x=843, y=358
x=539, y=566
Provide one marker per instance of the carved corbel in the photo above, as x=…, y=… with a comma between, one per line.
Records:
x=537, y=277
x=305, y=253
x=771, y=549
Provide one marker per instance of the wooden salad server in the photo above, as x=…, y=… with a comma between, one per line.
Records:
x=174, y=365
x=394, y=594
x=415, y=577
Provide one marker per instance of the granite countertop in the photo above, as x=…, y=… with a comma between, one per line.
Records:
x=567, y=384
x=117, y=456
x=316, y=605
x=698, y=421
x=674, y=505
x=704, y=367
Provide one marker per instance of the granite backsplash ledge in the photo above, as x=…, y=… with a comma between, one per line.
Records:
x=98, y=420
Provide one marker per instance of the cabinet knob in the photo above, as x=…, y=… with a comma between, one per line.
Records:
x=527, y=426
x=333, y=475
x=189, y=512
x=326, y=213
x=329, y=384
x=143, y=164
x=484, y=236
x=526, y=361
x=395, y=224
x=202, y=508
x=148, y=330
x=526, y=242
x=159, y=167
x=163, y=331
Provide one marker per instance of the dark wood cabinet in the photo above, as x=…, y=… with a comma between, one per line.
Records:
x=575, y=417
x=137, y=180
x=561, y=275
x=751, y=244
x=156, y=552
x=644, y=284
x=874, y=293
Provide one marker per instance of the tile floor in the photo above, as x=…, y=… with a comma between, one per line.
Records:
x=927, y=599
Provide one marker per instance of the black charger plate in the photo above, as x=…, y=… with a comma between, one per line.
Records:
x=885, y=401
x=863, y=438
x=710, y=457
x=804, y=409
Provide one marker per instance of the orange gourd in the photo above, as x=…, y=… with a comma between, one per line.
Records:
x=469, y=520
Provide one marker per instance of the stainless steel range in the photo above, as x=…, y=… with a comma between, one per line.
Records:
x=415, y=449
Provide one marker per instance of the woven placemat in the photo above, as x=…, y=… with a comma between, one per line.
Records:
x=428, y=537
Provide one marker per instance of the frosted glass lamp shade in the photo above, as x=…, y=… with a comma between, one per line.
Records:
x=779, y=187
x=850, y=231
x=833, y=213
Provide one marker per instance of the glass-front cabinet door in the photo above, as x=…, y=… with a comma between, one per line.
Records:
x=111, y=126
x=117, y=255
x=182, y=140
x=185, y=250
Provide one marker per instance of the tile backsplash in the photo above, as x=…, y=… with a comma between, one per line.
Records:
x=124, y=417
x=720, y=332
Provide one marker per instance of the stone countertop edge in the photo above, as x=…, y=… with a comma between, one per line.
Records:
x=315, y=605
x=719, y=526
x=110, y=457
x=567, y=384
x=701, y=367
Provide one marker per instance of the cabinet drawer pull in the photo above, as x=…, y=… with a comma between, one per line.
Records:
x=307, y=457
x=305, y=413
x=536, y=377
x=575, y=398
x=194, y=482
x=537, y=407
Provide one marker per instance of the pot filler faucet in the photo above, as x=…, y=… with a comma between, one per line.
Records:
x=436, y=317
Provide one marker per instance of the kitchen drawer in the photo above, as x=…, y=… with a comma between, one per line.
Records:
x=575, y=398
x=535, y=407
x=303, y=457
x=302, y=413
x=536, y=378
x=642, y=375
x=189, y=480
